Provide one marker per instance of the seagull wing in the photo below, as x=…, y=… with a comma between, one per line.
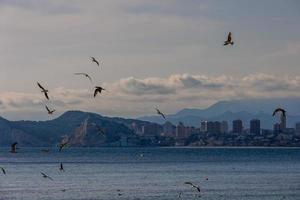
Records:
x=188, y=183
x=40, y=86
x=94, y=60
x=47, y=109
x=229, y=37
x=46, y=95
x=88, y=77
x=3, y=170
x=14, y=147
x=96, y=91
x=158, y=111
x=79, y=74
x=61, y=166
x=274, y=112
x=97, y=62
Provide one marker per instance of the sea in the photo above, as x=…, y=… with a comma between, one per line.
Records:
x=151, y=173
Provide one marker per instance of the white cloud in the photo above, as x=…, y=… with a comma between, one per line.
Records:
x=133, y=97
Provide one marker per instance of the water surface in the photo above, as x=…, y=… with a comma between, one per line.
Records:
x=151, y=173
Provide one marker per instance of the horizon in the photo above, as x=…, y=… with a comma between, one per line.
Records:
x=150, y=54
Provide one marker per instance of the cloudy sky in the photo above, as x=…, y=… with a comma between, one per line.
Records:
x=152, y=53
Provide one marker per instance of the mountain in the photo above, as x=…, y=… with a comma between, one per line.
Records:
x=80, y=128
x=245, y=110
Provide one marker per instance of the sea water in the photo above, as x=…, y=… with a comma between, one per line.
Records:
x=151, y=173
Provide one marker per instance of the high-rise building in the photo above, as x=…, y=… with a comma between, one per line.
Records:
x=217, y=127
x=203, y=126
x=150, y=129
x=282, y=123
x=255, y=126
x=180, y=131
x=297, y=128
x=224, y=127
x=276, y=128
x=214, y=127
x=237, y=126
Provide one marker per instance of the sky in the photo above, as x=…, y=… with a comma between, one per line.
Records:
x=165, y=54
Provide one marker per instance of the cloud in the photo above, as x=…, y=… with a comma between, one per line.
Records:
x=132, y=97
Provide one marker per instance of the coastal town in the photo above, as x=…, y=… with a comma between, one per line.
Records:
x=216, y=133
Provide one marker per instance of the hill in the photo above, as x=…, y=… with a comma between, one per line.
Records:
x=80, y=128
x=245, y=110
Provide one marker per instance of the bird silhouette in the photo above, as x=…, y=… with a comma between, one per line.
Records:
x=229, y=40
x=62, y=145
x=95, y=61
x=180, y=195
x=46, y=176
x=61, y=167
x=3, y=170
x=43, y=90
x=13, y=148
x=50, y=112
x=98, y=90
x=84, y=74
x=194, y=186
x=279, y=110
x=160, y=113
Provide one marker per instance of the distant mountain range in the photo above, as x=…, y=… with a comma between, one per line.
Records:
x=79, y=127
x=236, y=109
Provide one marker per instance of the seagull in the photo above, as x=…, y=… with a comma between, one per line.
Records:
x=98, y=89
x=13, y=148
x=279, y=110
x=62, y=145
x=229, y=40
x=194, y=186
x=61, y=168
x=50, y=112
x=94, y=60
x=179, y=195
x=46, y=176
x=3, y=170
x=84, y=74
x=43, y=90
x=160, y=113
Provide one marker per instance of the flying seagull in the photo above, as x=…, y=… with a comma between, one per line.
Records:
x=13, y=148
x=180, y=195
x=94, y=60
x=62, y=145
x=194, y=186
x=84, y=74
x=43, y=90
x=229, y=40
x=279, y=110
x=3, y=170
x=46, y=176
x=98, y=89
x=50, y=112
x=160, y=113
x=61, y=168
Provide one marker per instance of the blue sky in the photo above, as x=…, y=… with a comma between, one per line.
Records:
x=151, y=53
